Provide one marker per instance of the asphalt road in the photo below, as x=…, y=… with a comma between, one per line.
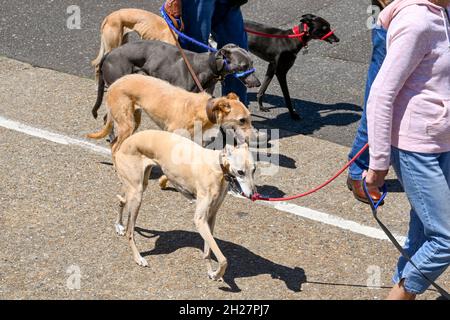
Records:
x=326, y=85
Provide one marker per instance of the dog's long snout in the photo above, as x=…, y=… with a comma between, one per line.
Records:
x=333, y=39
x=251, y=81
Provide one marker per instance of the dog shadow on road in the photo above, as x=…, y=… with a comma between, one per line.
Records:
x=242, y=263
x=314, y=115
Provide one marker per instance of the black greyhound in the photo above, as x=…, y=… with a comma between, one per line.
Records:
x=281, y=51
x=164, y=61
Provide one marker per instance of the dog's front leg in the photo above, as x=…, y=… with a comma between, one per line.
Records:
x=203, y=227
x=262, y=90
x=207, y=248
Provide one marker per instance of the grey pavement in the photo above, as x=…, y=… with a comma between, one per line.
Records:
x=58, y=204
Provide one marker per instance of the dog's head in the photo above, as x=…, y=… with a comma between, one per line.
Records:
x=239, y=165
x=234, y=59
x=231, y=114
x=318, y=28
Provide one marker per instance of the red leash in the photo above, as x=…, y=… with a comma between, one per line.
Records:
x=278, y=36
x=296, y=30
x=259, y=197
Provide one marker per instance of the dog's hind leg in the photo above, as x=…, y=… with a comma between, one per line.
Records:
x=134, y=199
x=281, y=76
x=137, y=118
x=118, y=225
x=125, y=124
x=262, y=90
x=137, y=184
x=112, y=35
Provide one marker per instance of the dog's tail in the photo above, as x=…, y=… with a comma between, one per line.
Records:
x=107, y=128
x=101, y=53
x=100, y=89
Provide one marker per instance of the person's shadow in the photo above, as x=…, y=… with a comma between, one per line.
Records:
x=242, y=262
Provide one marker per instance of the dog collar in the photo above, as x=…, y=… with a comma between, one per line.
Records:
x=210, y=111
x=213, y=59
x=233, y=183
x=301, y=31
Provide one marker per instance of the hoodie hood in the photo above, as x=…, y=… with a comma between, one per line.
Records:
x=390, y=12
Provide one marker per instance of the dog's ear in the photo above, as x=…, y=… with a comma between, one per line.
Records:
x=232, y=96
x=225, y=163
x=217, y=109
x=226, y=50
x=227, y=152
x=307, y=18
x=224, y=54
x=222, y=106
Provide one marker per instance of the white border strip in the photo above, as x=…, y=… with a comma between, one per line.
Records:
x=303, y=212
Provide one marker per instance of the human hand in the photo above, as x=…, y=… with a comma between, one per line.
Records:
x=375, y=179
x=173, y=9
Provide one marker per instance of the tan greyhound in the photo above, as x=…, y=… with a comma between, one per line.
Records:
x=196, y=172
x=172, y=109
x=117, y=25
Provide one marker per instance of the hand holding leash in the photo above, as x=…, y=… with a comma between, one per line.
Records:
x=173, y=9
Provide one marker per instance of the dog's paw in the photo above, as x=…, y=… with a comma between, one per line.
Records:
x=214, y=276
x=120, y=229
x=163, y=182
x=141, y=261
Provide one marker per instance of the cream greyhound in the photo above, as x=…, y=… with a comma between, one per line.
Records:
x=118, y=24
x=172, y=109
x=196, y=172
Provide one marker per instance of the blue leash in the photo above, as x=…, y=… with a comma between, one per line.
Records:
x=201, y=45
x=374, y=206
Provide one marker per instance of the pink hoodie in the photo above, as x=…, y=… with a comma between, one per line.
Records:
x=409, y=104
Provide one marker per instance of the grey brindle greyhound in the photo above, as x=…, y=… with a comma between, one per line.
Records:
x=164, y=61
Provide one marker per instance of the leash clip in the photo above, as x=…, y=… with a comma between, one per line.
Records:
x=305, y=50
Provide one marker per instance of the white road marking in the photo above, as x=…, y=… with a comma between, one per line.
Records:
x=51, y=136
x=333, y=220
x=291, y=208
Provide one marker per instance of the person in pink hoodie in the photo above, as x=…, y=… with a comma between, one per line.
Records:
x=408, y=114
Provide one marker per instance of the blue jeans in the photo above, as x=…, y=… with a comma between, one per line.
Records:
x=202, y=17
x=379, y=54
x=426, y=180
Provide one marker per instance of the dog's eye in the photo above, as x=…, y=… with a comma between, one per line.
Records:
x=243, y=120
x=241, y=173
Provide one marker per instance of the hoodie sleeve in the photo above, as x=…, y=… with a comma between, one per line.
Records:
x=407, y=46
